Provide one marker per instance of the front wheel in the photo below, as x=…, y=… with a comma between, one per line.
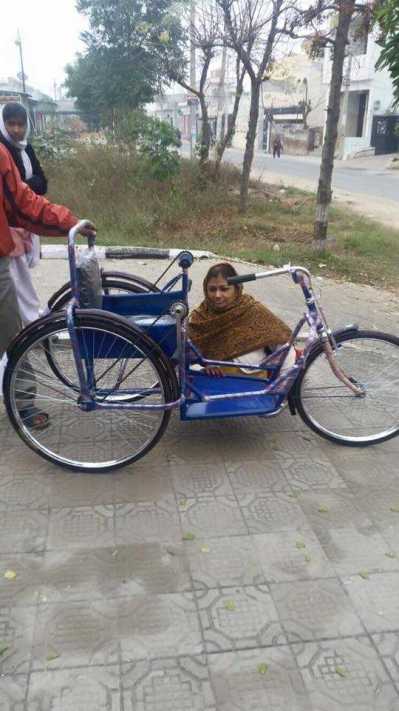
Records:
x=371, y=360
x=121, y=364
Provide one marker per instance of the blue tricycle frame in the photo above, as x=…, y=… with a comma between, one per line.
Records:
x=161, y=317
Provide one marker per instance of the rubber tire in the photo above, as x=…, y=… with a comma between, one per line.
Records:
x=116, y=280
x=129, y=283
x=93, y=318
x=315, y=353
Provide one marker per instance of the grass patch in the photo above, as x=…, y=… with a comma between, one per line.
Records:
x=109, y=187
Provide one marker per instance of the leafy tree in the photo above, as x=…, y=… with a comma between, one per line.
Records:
x=127, y=45
x=387, y=15
x=253, y=28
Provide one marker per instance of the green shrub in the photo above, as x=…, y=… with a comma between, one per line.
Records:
x=154, y=141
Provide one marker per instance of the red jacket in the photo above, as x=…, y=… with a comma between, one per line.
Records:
x=20, y=207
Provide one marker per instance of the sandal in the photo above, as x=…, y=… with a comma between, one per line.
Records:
x=34, y=418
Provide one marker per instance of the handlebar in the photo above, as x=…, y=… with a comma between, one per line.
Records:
x=76, y=229
x=72, y=256
x=240, y=278
x=286, y=269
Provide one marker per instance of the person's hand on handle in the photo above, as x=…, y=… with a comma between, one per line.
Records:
x=88, y=230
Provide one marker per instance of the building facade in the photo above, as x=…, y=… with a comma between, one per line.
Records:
x=366, y=100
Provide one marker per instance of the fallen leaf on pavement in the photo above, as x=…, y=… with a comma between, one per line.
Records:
x=262, y=668
x=341, y=671
x=188, y=536
x=229, y=605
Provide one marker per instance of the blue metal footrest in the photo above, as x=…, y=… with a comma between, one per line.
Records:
x=195, y=409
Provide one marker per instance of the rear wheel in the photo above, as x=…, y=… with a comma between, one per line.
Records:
x=112, y=283
x=121, y=363
x=371, y=360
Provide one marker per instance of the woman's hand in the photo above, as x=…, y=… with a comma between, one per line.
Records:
x=88, y=230
x=214, y=370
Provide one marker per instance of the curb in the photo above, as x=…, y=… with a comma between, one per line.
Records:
x=60, y=251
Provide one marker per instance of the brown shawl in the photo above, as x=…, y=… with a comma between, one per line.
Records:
x=244, y=327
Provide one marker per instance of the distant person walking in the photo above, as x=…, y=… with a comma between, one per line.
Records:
x=277, y=146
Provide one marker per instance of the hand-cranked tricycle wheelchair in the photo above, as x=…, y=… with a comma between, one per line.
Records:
x=109, y=377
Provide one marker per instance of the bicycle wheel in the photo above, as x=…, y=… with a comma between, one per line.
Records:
x=369, y=358
x=112, y=282
x=119, y=360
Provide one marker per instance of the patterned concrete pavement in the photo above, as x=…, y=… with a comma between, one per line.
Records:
x=242, y=565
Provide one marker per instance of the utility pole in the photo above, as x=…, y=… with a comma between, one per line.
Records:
x=18, y=42
x=193, y=82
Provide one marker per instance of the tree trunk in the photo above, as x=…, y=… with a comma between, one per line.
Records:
x=346, y=9
x=205, y=141
x=250, y=144
x=229, y=133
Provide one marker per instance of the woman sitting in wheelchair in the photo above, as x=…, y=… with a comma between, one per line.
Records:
x=230, y=325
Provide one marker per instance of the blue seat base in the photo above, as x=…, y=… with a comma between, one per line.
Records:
x=195, y=409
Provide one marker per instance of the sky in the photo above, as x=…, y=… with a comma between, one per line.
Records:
x=50, y=32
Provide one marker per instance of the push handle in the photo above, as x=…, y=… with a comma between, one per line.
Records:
x=72, y=256
x=74, y=231
x=240, y=278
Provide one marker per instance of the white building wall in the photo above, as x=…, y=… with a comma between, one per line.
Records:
x=363, y=78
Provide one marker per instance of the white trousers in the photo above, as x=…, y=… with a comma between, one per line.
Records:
x=28, y=300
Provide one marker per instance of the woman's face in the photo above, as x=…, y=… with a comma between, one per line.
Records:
x=16, y=127
x=220, y=293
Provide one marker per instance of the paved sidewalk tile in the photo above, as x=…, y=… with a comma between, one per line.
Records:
x=376, y=599
x=212, y=517
x=338, y=508
x=23, y=532
x=351, y=550
x=345, y=674
x=72, y=634
x=266, y=513
x=16, y=638
x=292, y=555
x=158, y=626
x=315, y=609
x=239, y=618
x=119, y=570
x=12, y=692
x=387, y=644
x=198, y=480
x=147, y=521
x=84, y=689
x=258, y=679
x=180, y=684
x=81, y=527
x=223, y=562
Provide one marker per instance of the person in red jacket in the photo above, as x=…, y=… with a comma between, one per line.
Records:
x=21, y=207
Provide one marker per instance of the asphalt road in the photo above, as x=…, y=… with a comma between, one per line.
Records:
x=366, y=181
x=377, y=183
